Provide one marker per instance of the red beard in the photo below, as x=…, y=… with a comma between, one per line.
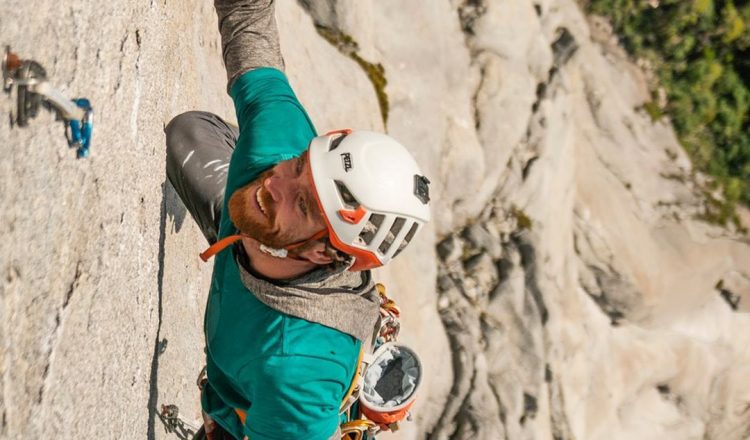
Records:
x=244, y=213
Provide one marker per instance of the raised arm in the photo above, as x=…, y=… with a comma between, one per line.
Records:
x=249, y=38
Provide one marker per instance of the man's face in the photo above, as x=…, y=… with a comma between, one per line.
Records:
x=278, y=208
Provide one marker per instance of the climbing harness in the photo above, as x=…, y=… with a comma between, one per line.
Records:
x=33, y=90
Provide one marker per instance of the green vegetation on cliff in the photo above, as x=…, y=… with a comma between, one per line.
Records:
x=700, y=52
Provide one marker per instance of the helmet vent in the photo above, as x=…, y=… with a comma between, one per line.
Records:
x=371, y=228
x=346, y=196
x=407, y=239
x=392, y=234
x=336, y=142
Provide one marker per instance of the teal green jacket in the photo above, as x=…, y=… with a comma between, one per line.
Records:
x=288, y=374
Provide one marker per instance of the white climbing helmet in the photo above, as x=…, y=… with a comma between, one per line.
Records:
x=371, y=191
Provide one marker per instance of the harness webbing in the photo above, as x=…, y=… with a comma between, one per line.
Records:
x=355, y=381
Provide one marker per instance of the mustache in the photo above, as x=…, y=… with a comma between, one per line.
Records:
x=243, y=208
x=269, y=204
x=244, y=213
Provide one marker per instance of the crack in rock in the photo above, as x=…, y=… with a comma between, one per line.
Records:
x=530, y=408
x=455, y=318
x=528, y=261
x=618, y=298
x=73, y=285
x=52, y=342
x=325, y=24
x=468, y=13
x=732, y=299
x=490, y=302
x=559, y=422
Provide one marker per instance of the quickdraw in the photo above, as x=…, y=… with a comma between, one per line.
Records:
x=33, y=90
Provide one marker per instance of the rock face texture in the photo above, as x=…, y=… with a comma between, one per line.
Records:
x=565, y=290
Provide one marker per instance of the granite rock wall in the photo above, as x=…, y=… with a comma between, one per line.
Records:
x=565, y=289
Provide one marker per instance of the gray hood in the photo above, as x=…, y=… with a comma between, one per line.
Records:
x=334, y=297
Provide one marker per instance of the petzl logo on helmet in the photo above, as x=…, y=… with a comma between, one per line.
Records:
x=422, y=188
x=346, y=159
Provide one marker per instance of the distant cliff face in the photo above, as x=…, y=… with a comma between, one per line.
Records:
x=564, y=290
x=580, y=296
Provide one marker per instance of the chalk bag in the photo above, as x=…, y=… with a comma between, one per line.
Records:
x=390, y=383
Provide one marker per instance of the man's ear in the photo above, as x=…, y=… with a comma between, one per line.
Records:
x=316, y=253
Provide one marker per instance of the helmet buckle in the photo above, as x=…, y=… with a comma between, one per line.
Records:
x=353, y=216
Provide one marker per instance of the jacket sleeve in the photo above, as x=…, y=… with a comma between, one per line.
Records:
x=295, y=397
x=249, y=38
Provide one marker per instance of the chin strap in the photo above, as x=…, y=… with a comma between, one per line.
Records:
x=219, y=246
x=228, y=241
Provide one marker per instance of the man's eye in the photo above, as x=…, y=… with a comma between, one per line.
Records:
x=300, y=167
x=302, y=207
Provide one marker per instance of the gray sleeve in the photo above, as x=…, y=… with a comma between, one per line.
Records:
x=249, y=38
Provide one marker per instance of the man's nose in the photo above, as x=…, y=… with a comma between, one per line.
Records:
x=277, y=187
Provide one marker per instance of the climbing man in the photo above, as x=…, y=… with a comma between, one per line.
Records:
x=295, y=221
